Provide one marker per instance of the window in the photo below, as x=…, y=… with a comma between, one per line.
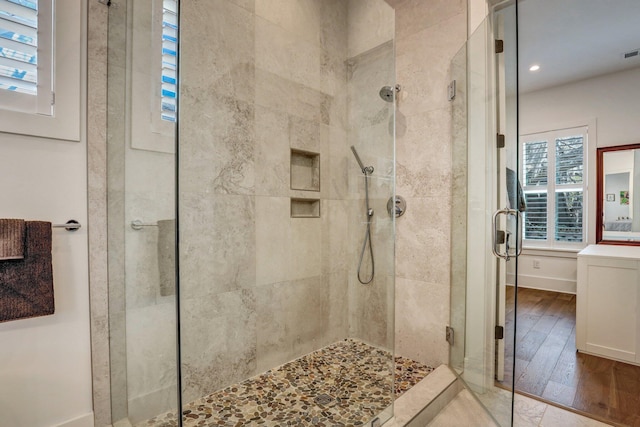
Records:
x=19, y=34
x=40, y=90
x=152, y=73
x=169, y=59
x=554, y=184
x=25, y=56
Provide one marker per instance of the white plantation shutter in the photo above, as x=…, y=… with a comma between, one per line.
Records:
x=536, y=159
x=41, y=50
x=535, y=217
x=569, y=156
x=26, y=74
x=536, y=163
x=552, y=167
x=169, y=59
x=569, y=188
x=568, y=216
x=19, y=46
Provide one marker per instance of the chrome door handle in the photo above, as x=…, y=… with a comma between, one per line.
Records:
x=494, y=233
x=519, y=234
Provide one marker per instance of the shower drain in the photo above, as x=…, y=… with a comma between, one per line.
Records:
x=323, y=399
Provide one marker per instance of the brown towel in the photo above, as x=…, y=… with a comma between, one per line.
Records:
x=11, y=239
x=26, y=286
x=167, y=256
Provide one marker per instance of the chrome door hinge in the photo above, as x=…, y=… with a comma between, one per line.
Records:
x=449, y=335
x=451, y=90
x=499, y=332
x=499, y=46
x=500, y=142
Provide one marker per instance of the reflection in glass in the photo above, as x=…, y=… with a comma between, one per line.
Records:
x=619, y=176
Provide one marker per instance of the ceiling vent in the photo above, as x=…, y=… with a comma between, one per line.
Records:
x=632, y=54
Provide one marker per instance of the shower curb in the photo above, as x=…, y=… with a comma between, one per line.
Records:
x=422, y=402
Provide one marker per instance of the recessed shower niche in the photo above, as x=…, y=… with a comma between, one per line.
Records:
x=305, y=208
x=305, y=170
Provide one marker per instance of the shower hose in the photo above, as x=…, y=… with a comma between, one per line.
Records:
x=367, y=236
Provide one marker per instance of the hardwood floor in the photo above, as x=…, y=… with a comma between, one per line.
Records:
x=548, y=366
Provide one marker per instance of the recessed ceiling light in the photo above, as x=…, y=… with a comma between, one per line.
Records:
x=534, y=68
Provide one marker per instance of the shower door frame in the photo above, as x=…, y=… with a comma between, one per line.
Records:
x=485, y=276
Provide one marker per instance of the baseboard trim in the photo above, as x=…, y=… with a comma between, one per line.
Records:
x=544, y=283
x=85, y=420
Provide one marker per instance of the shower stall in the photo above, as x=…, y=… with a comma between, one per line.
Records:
x=237, y=212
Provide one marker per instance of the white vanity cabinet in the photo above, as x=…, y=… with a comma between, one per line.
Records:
x=608, y=302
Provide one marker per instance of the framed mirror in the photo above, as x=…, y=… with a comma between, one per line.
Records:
x=618, y=208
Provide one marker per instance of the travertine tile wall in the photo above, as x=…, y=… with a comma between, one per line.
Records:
x=115, y=157
x=258, y=287
x=370, y=130
x=97, y=198
x=428, y=35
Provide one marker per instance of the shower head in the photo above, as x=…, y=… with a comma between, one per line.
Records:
x=355, y=153
x=365, y=169
x=387, y=92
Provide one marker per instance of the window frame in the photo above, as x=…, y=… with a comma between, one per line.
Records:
x=147, y=131
x=157, y=126
x=64, y=98
x=551, y=188
x=40, y=103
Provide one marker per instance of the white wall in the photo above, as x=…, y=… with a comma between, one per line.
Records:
x=611, y=103
x=615, y=183
x=45, y=362
x=45, y=372
x=556, y=270
x=477, y=11
x=611, y=99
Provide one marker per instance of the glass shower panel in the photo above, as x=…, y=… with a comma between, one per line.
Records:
x=273, y=210
x=371, y=233
x=459, y=165
x=141, y=218
x=498, y=396
x=483, y=172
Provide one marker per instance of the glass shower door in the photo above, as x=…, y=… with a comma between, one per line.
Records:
x=485, y=220
x=141, y=219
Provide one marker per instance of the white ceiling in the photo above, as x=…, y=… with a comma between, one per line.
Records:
x=575, y=39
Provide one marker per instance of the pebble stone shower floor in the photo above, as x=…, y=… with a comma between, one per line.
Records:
x=355, y=377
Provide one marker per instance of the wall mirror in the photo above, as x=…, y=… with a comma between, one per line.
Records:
x=618, y=206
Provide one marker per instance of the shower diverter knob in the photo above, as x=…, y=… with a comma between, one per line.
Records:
x=396, y=206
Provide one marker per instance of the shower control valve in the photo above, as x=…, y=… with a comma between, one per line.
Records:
x=396, y=206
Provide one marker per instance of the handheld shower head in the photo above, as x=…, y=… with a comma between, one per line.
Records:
x=365, y=169
x=355, y=153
